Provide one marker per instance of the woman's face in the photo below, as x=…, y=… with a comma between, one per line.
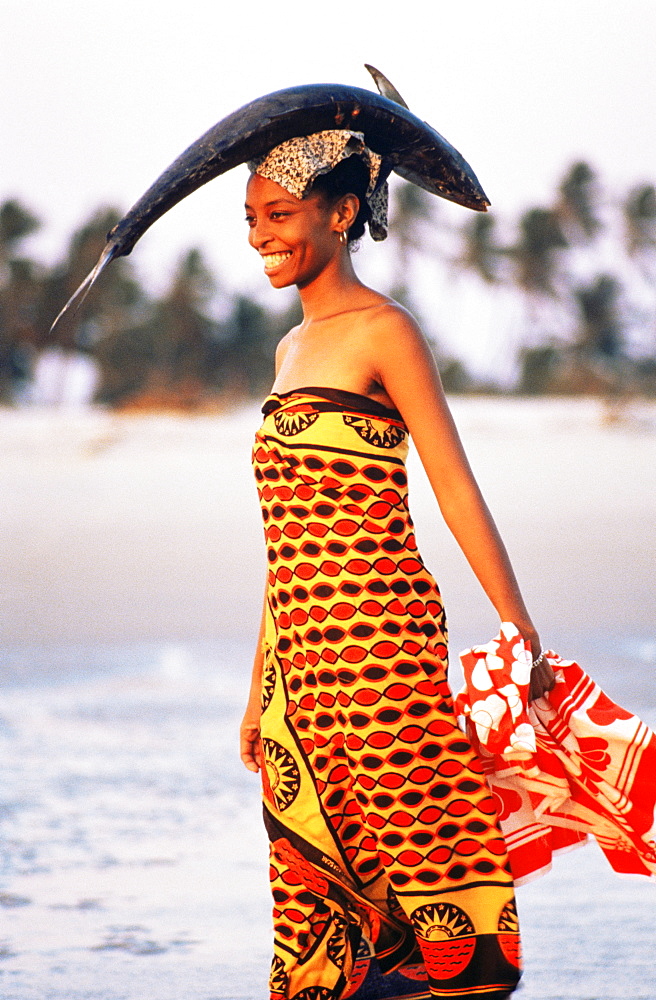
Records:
x=296, y=239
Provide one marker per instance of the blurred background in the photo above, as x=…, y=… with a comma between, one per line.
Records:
x=132, y=863
x=553, y=291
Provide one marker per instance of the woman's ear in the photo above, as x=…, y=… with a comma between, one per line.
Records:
x=346, y=211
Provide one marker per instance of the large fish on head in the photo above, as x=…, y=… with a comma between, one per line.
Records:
x=409, y=147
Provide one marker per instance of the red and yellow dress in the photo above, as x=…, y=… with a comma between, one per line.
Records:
x=389, y=874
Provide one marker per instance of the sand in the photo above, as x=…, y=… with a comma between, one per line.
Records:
x=147, y=528
x=131, y=565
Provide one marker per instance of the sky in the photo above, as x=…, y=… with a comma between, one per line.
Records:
x=99, y=97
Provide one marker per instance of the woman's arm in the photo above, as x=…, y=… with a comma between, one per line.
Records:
x=407, y=370
x=250, y=749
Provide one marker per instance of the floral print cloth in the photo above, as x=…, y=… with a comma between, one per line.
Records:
x=570, y=764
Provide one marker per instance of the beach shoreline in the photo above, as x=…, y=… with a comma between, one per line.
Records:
x=134, y=861
x=136, y=528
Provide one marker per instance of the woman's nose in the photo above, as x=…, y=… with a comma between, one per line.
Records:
x=259, y=234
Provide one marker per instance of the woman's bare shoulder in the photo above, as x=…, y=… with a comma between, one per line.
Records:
x=283, y=346
x=388, y=319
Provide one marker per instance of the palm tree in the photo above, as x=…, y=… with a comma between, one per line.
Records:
x=535, y=259
x=19, y=298
x=161, y=357
x=578, y=207
x=601, y=318
x=639, y=214
x=480, y=254
x=16, y=222
x=183, y=321
x=535, y=254
x=600, y=363
x=639, y=217
x=412, y=226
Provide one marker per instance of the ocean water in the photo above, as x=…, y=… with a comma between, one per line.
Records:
x=132, y=858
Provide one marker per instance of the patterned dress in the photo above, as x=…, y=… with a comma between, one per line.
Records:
x=389, y=873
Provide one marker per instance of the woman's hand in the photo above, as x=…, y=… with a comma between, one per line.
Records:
x=542, y=676
x=542, y=679
x=250, y=748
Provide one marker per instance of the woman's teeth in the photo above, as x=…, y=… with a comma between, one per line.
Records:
x=272, y=260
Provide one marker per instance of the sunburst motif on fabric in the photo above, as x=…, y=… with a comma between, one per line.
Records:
x=268, y=679
x=508, y=921
x=440, y=921
x=336, y=946
x=448, y=939
x=509, y=939
x=290, y=422
x=315, y=993
x=376, y=432
x=278, y=979
x=393, y=905
x=284, y=776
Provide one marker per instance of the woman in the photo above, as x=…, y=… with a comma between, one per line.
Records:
x=389, y=874
x=383, y=835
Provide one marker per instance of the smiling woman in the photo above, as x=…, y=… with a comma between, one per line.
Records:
x=389, y=874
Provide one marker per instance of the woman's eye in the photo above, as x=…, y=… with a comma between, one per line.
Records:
x=279, y=215
x=250, y=219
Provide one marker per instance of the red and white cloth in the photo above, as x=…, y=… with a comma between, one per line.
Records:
x=571, y=763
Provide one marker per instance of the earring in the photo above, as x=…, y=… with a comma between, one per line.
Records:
x=343, y=237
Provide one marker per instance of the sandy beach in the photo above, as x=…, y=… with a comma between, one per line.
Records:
x=131, y=562
x=127, y=528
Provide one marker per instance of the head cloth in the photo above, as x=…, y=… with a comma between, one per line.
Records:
x=296, y=164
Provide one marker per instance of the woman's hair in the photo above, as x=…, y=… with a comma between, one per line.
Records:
x=350, y=176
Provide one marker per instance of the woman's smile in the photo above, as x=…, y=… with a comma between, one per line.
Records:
x=272, y=261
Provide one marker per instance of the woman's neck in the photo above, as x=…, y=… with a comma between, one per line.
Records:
x=335, y=290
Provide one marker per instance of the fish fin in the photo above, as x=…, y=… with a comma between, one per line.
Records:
x=79, y=295
x=385, y=88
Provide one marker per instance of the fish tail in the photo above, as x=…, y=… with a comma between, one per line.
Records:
x=79, y=295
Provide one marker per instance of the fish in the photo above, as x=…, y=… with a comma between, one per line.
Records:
x=409, y=146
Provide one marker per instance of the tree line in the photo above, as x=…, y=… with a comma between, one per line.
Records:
x=582, y=269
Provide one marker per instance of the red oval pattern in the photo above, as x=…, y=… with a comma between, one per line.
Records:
x=358, y=629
